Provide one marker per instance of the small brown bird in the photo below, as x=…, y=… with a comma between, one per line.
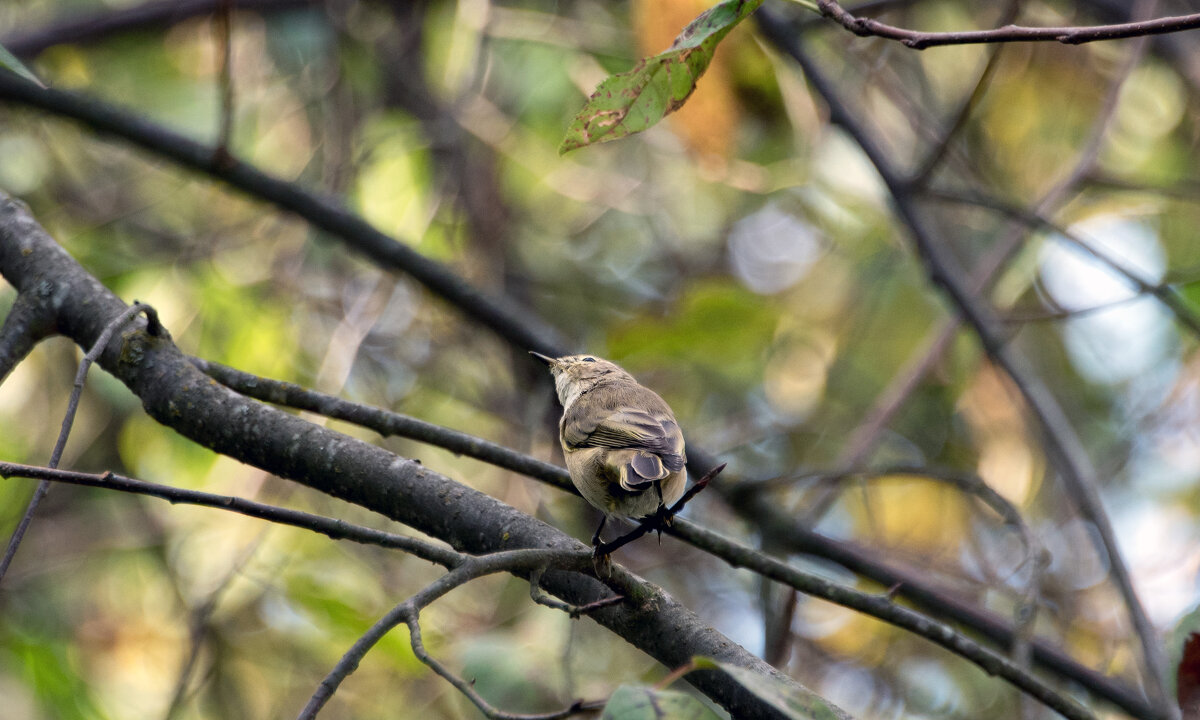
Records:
x=623, y=448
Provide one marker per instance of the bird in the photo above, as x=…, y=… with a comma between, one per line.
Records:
x=623, y=447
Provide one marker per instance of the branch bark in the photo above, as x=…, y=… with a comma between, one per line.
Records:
x=179, y=396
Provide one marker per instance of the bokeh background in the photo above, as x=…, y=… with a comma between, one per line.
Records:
x=741, y=258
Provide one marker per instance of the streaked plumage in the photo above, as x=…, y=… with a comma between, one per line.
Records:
x=623, y=447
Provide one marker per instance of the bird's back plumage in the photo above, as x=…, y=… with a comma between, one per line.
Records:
x=624, y=449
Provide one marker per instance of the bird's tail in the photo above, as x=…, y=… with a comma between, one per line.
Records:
x=641, y=471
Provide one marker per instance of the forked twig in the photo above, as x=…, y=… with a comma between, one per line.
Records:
x=154, y=328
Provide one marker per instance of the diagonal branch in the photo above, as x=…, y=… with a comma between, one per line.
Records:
x=330, y=462
x=499, y=314
x=882, y=606
x=60, y=444
x=909, y=585
x=1062, y=444
x=408, y=612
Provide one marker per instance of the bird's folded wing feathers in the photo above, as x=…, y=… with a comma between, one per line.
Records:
x=629, y=428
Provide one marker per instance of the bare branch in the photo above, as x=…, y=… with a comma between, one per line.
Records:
x=910, y=585
x=1062, y=444
x=60, y=444
x=1075, y=35
x=409, y=612
x=406, y=491
x=883, y=607
x=332, y=528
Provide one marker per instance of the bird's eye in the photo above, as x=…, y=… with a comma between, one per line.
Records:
x=589, y=359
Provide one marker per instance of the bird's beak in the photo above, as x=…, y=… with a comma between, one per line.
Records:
x=550, y=362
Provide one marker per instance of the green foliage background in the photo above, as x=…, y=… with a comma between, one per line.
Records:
x=760, y=284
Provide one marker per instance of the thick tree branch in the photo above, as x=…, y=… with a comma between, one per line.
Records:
x=909, y=585
x=27, y=323
x=178, y=395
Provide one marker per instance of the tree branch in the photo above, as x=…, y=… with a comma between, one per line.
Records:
x=1062, y=444
x=867, y=27
x=408, y=612
x=27, y=323
x=503, y=317
x=178, y=395
x=76, y=27
x=882, y=606
x=64, y=432
x=910, y=586
x=330, y=527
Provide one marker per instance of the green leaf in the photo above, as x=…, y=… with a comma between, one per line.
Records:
x=657, y=86
x=640, y=702
x=10, y=62
x=788, y=698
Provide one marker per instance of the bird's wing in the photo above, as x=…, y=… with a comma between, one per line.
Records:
x=627, y=428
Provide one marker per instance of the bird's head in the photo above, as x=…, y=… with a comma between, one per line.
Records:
x=576, y=374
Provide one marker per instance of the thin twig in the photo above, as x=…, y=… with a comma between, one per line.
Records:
x=223, y=32
x=541, y=597
x=60, y=444
x=912, y=586
x=467, y=688
x=409, y=611
x=335, y=529
x=1074, y=35
x=384, y=422
x=661, y=519
x=1165, y=294
x=1062, y=443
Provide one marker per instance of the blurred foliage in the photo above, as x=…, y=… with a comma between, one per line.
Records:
x=740, y=258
